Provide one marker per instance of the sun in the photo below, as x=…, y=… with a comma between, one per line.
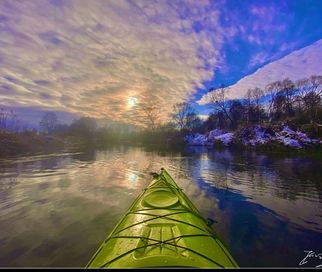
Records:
x=132, y=101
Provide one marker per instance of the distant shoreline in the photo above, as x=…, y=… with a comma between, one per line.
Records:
x=39, y=145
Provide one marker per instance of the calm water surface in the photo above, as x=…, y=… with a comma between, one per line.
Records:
x=55, y=210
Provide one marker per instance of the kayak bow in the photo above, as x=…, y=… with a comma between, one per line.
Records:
x=162, y=229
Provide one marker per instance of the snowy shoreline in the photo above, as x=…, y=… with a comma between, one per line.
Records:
x=254, y=136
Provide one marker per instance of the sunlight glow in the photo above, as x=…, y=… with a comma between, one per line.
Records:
x=131, y=101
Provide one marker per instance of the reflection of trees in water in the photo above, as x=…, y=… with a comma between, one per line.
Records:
x=257, y=235
x=298, y=175
x=162, y=150
x=50, y=163
x=85, y=155
x=288, y=177
x=94, y=188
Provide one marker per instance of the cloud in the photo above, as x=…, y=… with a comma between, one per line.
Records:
x=89, y=57
x=258, y=58
x=297, y=65
x=266, y=12
x=256, y=22
x=266, y=17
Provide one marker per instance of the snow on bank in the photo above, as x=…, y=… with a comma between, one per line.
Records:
x=209, y=138
x=215, y=133
x=292, y=138
x=290, y=142
x=253, y=136
x=256, y=135
x=196, y=139
x=226, y=138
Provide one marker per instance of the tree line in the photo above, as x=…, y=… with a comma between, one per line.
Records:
x=298, y=103
x=294, y=102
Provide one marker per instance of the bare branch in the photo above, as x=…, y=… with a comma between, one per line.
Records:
x=147, y=113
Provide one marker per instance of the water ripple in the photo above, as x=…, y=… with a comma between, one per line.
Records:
x=71, y=195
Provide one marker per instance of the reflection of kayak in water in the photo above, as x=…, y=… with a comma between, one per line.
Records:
x=162, y=228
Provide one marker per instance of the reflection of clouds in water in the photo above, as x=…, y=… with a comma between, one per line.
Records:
x=248, y=195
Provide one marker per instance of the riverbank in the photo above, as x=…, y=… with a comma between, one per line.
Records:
x=14, y=143
x=270, y=139
x=31, y=143
x=262, y=138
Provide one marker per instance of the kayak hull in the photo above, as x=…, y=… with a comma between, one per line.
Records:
x=162, y=228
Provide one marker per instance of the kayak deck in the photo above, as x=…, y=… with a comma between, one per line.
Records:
x=162, y=229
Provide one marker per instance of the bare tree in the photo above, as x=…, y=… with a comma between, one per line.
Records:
x=253, y=96
x=257, y=94
x=316, y=84
x=288, y=90
x=308, y=95
x=302, y=87
x=249, y=104
x=4, y=114
x=249, y=97
x=219, y=101
x=48, y=122
x=147, y=113
x=183, y=115
x=312, y=97
x=8, y=120
x=272, y=90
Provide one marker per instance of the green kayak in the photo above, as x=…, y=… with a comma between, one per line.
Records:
x=162, y=229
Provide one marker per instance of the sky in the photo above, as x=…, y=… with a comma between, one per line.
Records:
x=100, y=58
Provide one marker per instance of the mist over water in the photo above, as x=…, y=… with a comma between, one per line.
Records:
x=55, y=210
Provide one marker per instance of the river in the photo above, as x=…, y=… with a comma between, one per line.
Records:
x=55, y=210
